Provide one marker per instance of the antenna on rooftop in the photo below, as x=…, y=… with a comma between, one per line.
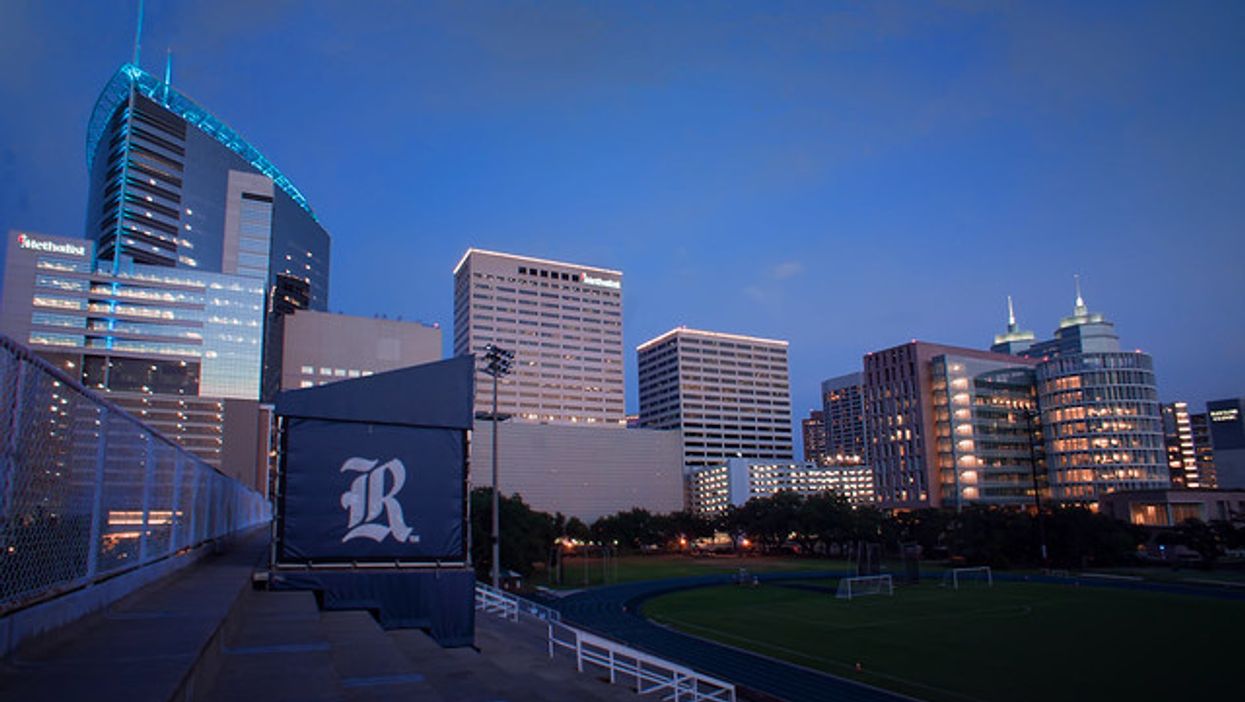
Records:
x=138, y=33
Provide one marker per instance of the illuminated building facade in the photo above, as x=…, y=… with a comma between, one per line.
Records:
x=171, y=185
x=192, y=241
x=563, y=321
x=1204, y=449
x=729, y=394
x=919, y=397
x=987, y=431
x=1101, y=422
x=843, y=407
x=321, y=347
x=814, y=429
x=175, y=347
x=1227, y=435
x=1182, y=459
x=711, y=489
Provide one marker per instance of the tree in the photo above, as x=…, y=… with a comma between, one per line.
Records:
x=526, y=535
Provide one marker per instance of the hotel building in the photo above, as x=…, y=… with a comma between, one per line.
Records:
x=728, y=394
x=1227, y=436
x=1181, y=451
x=563, y=321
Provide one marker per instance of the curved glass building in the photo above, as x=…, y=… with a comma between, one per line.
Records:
x=172, y=185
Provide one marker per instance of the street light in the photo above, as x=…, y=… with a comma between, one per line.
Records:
x=497, y=364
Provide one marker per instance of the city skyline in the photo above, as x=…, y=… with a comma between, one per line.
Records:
x=729, y=199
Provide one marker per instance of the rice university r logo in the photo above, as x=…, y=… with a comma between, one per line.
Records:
x=367, y=498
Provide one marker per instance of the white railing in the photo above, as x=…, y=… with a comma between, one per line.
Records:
x=650, y=674
x=491, y=600
x=88, y=492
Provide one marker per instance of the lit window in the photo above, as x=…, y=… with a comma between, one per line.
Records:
x=305, y=384
x=308, y=370
x=326, y=371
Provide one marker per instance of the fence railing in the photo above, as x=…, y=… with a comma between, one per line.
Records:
x=509, y=606
x=649, y=674
x=88, y=491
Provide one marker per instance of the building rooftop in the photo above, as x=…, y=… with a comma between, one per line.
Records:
x=117, y=92
x=531, y=259
x=717, y=335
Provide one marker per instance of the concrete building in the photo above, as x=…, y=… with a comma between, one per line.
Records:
x=814, y=429
x=918, y=396
x=1170, y=507
x=843, y=405
x=563, y=321
x=711, y=489
x=1227, y=435
x=728, y=394
x=583, y=471
x=322, y=348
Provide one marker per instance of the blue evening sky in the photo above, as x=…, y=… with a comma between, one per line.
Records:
x=845, y=176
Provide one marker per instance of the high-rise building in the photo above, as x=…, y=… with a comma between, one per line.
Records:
x=948, y=426
x=1181, y=452
x=172, y=185
x=1204, y=449
x=814, y=429
x=1227, y=435
x=1101, y=423
x=729, y=394
x=177, y=348
x=193, y=239
x=563, y=321
x=843, y=405
x=987, y=431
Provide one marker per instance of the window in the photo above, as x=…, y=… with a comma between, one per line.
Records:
x=308, y=370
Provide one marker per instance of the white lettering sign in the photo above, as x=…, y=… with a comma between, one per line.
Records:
x=602, y=282
x=1225, y=415
x=367, y=498
x=29, y=242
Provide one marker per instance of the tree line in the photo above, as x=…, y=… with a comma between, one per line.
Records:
x=825, y=525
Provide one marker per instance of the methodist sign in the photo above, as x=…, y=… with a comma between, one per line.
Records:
x=375, y=469
x=26, y=241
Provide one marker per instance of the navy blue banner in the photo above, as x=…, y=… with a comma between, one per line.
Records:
x=371, y=492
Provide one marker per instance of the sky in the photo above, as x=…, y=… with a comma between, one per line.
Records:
x=843, y=176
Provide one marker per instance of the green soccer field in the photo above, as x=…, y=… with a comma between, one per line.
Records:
x=1015, y=641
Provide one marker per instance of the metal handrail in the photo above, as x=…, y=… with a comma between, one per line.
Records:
x=650, y=673
x=509, y=605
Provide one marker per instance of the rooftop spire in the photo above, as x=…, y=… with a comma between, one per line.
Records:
x=138, y=34
x=1011, y=315
x=1080, y=301
x=168, y=76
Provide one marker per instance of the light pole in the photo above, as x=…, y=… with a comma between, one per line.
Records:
x=497, y=363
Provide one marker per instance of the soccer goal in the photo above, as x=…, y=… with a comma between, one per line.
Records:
x=865, y=585
x=978, y=576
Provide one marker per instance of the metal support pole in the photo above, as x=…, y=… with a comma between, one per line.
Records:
x=496, y=500
x=92, y=558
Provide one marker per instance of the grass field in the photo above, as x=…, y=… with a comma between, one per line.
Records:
x=1015, y=641
x=587, y=572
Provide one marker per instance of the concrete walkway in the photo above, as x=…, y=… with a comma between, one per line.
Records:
x=205, y=634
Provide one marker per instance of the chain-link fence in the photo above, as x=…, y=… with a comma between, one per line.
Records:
x=87, y=491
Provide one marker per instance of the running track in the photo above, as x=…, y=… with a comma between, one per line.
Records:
x=613, y=611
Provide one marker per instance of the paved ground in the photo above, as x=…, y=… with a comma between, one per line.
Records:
x=204, y=634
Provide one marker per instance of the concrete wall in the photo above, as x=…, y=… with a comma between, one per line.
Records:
x=345, y=343
x=582, y=471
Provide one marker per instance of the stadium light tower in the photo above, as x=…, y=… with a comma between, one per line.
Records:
x=497, y=364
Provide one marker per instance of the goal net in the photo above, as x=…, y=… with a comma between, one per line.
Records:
x=865, y=585
x=978, y=576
